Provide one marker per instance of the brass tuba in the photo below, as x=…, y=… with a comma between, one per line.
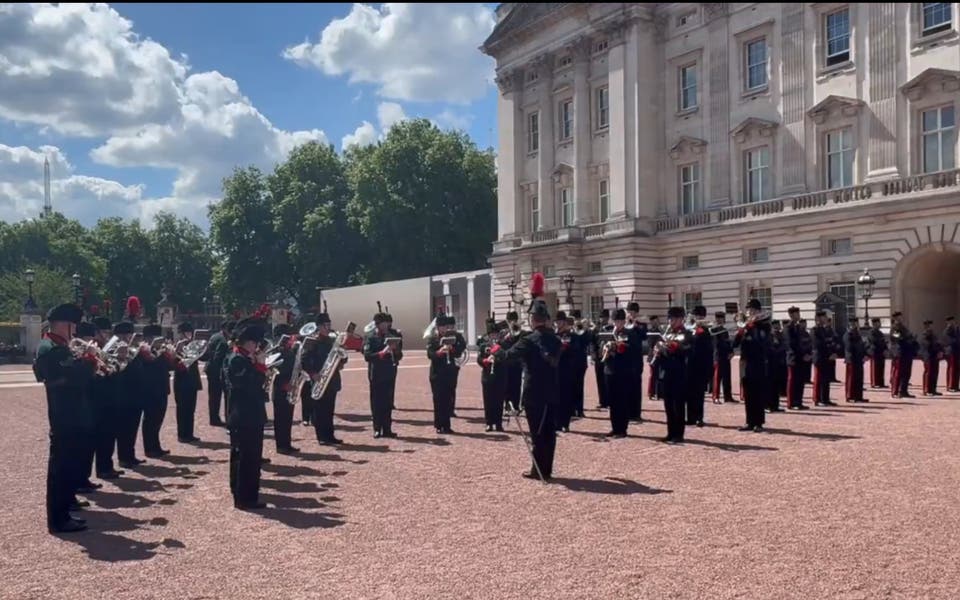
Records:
x=334, y=361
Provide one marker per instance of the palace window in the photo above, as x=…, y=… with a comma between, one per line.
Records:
x=689, y=188
x=692, y=300
x=604, y=199
x=595, y=267
x=764, y=295
x=758, y=255
x=566, y=206
x=596, y=305
x=566, y=119
x=533, y=132
x=837, y=34
x=534, y=213
x=840, y=153
x=847, y=291
x=939, y=139
x=839, y=247
x=602, y=46
x=757, y=180
x=690, y=262
x=549, y=270
x=688, y=87
x=937, y=17
x=755, y=57
x=603, y=108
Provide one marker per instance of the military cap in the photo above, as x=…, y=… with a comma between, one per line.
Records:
x=676, y=312
x=513, y=316
x=282, y=329
x=700, y=311
x=250, y=330
x=605, y=313
x=152, y=331
x=445, y=320
x=820, y=313
x=576, y=314
x=382, y=318
x=185, y=327
x=103, y=323
x=70, y=313
x=387, y=318
x=86, y=329
x=492, y=325
x=123, y=328
x=539, y=309
x=720, y=315
x=875, y=320
x=619, y=315
x=561, y=316
x=793, y=310
x=633, y=307
x=896, y=314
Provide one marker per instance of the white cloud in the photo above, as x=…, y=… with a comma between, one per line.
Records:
x=451, y=120
x=81, y=70
x=389, y=114
x=364, y=135
x=411, y=51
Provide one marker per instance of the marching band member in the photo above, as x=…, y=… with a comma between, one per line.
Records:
x=443, y=349
x=854, y=354
x=618, y=372
x=834, y=342
x=282, y=384
x=796, y=357
x=778, y=367
x=653, y=380
x=324, y=408
x=65, y=377
x=603, y=325
x=586, y=340
x=877, y=350
x=382, y=360
x=514, y=370
x=493, y=378
x=214, y=355
x=700, y=367
x=671, y=358
x=86, y=439
x=902, y=351
x=129, y=401
x=931, y=353
x=722, y=353
x=824, y=349
x=245, y=378
x=538, y=353
x=186, y=384
x=638, y=335
x=155, y=391
x=105, y=406
x=754, y=342
x=572, y=353
x=951, y=337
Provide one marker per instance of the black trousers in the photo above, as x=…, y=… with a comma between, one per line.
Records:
x=853, y=382
x=566, y=401
x=246, y=453
x=578, y=391
x=756, y=392
x=128, y=423
x=721, y=380
x=282, y=416
x=620, y=395
x=636, y=394
x=796, y=381
x=453, y=392
x=493, y=394
x=878, y=366
x=674, y=404
x=821, y=382
x=214, y=393
x=306, y=404
x=906, y=373
x=543, y=437
x=601, y=383
x=381, y=405
x=696, y=388
x=104, y=440
x=442, y=403
x=514, y=385
x=186, y=400
x=154, y=411
x=62, y=469
x=323, y=410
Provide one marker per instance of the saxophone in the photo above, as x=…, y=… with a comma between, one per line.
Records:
x=334, y=361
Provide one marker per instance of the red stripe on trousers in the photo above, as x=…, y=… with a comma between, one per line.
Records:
x=651, y=381
x=791, y=401
x=895, y=377
x=873, y=380
x=848, y=382
x=816, y=384
x=716, y=381
x=926, y=377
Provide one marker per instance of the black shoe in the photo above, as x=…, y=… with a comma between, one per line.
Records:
x=582, y=415
x=819, y=403
x=439, y=430
x=331, y=441
x=489, y=428
x=700, y=423
x=290, y=450
x=77, y=506
x=110, y=475
x=254, y=506
x=863, y=400
x=732, y=401
x=498, y=427
x=745, y=428
x=533, y=475
x=830, y=403
x=690, y=423
x=793, y=408
x=70, y=526
x=447, y=430
x=453, y=415
x=390, y=434
x=666, y=440
x=84, y=489
x=907, y=396
x=127, y=465
x=619, y=436
x=565, y=429
x=611, y=433
x=264, y=461
x=78, y=519
x=758, y=429
x=377, y=435
x=803, y=407
x=936, y=394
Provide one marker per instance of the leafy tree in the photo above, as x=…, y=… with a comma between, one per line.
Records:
x=179, y=259
x=126, y=248
x=50, y=288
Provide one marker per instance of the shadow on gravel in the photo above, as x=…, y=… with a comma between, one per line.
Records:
x=292, y=470
x=414, y=422
x=212, y=445
x=609, y=485
x=190, y=460
x=290, y=501
x=137, y=485
x=729, y=447
x=341, y=427
x=487, y=437
x=117, y=548
x=154, y=470
x=362, y=448
x=113, y=500
x=300, y=519
x=332, y=457
x=423, y=440
x=285, y=486
x=829, y=437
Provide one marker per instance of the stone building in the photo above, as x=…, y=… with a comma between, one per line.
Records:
x=708, y=153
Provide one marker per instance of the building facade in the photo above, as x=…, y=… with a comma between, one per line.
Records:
x=713, y=152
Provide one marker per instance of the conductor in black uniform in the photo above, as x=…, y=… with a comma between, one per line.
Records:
x=539, y=354
x=246, y=377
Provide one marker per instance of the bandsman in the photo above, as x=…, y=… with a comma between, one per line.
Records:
x=902, y=353
x=603, y=325
x=155, y=390
x=586, y=342
x=700, y=367
x=443, y=350
x=824, y=351
x=214, y=356
x=105, y=407
x=653, y=379
x=722, y=353
x=855, y=352
x=282, y=388
x=246, y=378
x=753, y=340
x=129, y=401
x=382, y=361
x=778, y=367
x=877, y=351
x=86, y=438
x=572, y=354
x=672, y=361
x=493, y=378
x=951, y=336
x=931, y=353
x=186, y=384
x=638, y=335
x=325, y=407
x=617, y=357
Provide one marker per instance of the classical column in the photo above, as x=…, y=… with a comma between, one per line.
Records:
x=882, y=61
x=508, y=201
x=447, y=300
x=792, y=159
x=543, y=66
x=471, y=312
x=649, y=131
x=718, y=104
x=582, y=139
x=621, y=99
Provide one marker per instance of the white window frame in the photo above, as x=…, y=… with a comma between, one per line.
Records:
x=689, y=183
x=567, y=203
x=753, y=256
x=851, y=306
x=691, y=299
x=847, y=153
x=839, y=246
x=747, y=64
x=752, y=292
x=842, y=56
x=764, y=174
x=690, y=262
x=595, y=267
x=940, y=132
x=566, y=119
x=939, y=27
x=602, y=98
x=683, y=85
x=596, y=305
x=535, y=213
x=549, y=270
x=603, y=199
x=533, y=132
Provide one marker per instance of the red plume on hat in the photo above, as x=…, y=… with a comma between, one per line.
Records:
x=537, y=285
x=133, y=307
x=94, y=310
x=263, y=312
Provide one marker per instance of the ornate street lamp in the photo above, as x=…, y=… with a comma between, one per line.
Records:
x=30, y=276
x=568, y=281
x=515, y=298
x=866, y=283
x=76, y=289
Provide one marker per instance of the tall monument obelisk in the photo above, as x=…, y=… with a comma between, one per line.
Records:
x=47, y=205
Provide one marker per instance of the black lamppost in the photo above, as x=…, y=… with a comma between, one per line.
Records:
x=866, y=283
x=512, y=286
x=30, y=276
x=76, y=289
x=568, y=282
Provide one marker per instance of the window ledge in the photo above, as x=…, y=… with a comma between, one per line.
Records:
x=755, y=92
x=533, y=153
x=843, y=68
x=686, y=112
x=602, y=130
x=923, y=42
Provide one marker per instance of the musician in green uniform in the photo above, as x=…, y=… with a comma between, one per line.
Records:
x=245, y=378
x=313, y=363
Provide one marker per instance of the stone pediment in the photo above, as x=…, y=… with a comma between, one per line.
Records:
x=686, y=143
x=833, y=105
x=563, y=174
x=519, y=19
x=762, y=127
x=931, y=79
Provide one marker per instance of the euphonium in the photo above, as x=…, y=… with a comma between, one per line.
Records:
x=306, y=335
x=335, y=360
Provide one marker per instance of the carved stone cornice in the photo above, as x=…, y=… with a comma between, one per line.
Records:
x=509, y=80
x=715, y=10
x=935, y=79
x=762, y=127
x=686, y=143
x=847, y=107
x=542, y=64
x=579, y=48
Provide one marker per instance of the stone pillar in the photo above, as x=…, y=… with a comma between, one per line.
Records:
x=583, y=104
x=508, y=108
x=882, y=89
x=545, y=155
x=447, y=299
x=31, y=324
x=648, y=133
x=718, y=104
x=620, y=99
x=471, y=312
x=792, y=159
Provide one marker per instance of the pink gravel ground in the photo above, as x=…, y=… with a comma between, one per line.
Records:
x=853, y=502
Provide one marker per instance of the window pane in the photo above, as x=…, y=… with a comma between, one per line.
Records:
x=765, y=192
x=930, y=120
x=838, y=32
x=834, y=170
x=847, y=168
x=931, y=153
x=946, y=116
x=949, y=143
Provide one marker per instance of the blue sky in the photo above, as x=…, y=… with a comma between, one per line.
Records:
x=141, y=108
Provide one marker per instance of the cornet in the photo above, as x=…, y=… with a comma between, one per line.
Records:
x=80, y=348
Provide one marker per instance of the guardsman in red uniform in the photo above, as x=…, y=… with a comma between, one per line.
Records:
x=931, y=353
x=951, y=337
